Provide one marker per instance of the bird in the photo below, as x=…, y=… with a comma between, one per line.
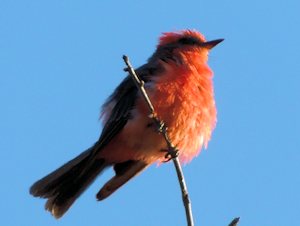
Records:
x=179, y=83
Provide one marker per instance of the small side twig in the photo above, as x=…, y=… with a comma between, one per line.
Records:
x=172, y=152
x=234, y=222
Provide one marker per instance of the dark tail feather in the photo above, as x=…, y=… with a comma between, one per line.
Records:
x=63, y=186
x=124, y=172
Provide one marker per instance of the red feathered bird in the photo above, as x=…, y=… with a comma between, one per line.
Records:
x=179, y=84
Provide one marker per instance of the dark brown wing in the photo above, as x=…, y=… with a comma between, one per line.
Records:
x=124, y=99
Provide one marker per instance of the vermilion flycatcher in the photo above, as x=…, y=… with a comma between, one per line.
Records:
x=179, y=84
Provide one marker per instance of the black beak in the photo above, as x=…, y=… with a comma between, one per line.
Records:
x=211, y=44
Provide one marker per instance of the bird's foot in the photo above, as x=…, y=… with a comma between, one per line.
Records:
x=170, y=154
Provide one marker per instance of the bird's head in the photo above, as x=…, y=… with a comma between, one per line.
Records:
x=186, y=39
x=188, y=43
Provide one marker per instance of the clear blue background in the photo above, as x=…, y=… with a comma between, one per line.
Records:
x=59, y=60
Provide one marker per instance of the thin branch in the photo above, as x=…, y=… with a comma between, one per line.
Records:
x=172, y=152
x=139, y=83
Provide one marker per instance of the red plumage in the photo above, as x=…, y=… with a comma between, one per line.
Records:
x=179, y=84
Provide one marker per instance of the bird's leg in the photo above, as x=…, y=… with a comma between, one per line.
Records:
x=160, y=126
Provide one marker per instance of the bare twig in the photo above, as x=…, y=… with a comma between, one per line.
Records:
x=172, y=152
x=234, y=222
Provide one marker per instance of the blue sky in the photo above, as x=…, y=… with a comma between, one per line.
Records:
x=59, y=60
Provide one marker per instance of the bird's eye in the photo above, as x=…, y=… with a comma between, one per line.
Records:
x=188, y=41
